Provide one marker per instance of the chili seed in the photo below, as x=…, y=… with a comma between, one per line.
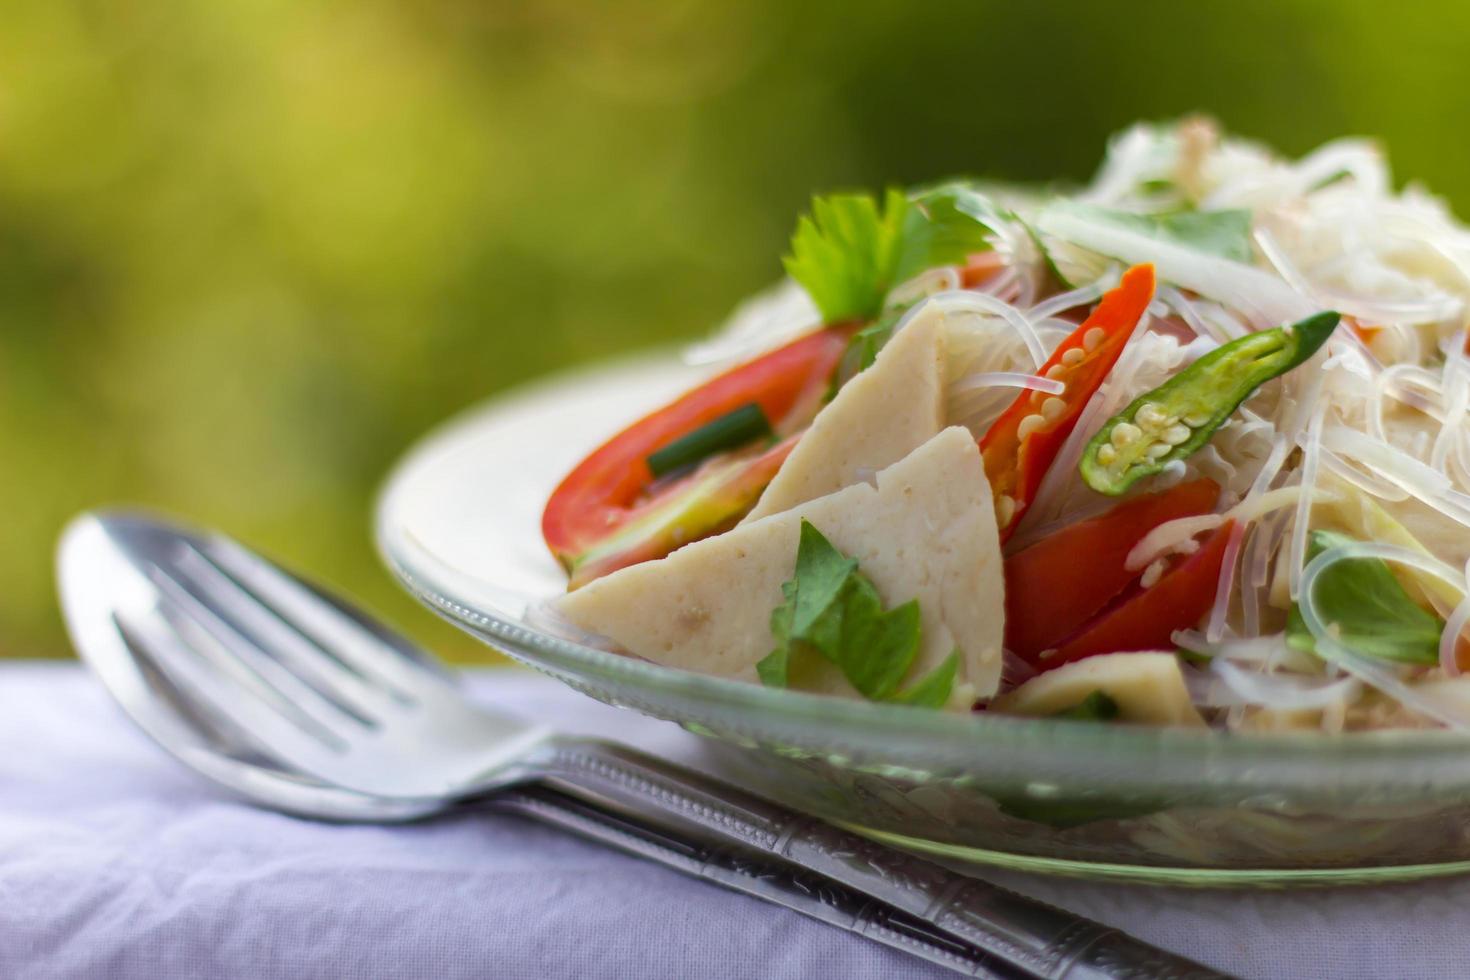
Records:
x=1125, y=434
x=1175, y=434
x=1028, y=425
x=1150, y=416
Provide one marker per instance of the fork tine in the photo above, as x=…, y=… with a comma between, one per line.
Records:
x=195, y=665
x=333, y=631
x=256, y=663
x=280, y=642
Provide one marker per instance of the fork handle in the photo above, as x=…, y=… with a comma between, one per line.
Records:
x=1030, y=936
x=757, y=875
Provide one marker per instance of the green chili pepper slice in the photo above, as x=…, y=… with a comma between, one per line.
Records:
x=1178, y=417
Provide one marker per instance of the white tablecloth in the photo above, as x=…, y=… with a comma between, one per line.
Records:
x=117, y=863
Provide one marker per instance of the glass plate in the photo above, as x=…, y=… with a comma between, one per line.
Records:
x=459, y=523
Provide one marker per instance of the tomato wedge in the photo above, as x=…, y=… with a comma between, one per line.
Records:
x=600, y=518
x=1060, y=582
x=1021, y=444
x=1147, y=619
x=709, y=501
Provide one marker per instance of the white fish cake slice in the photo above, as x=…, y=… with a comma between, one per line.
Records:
x=925, y=531
x=878, y=418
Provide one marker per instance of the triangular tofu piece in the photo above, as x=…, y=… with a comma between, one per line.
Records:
x=878, y=418
x=926, y=531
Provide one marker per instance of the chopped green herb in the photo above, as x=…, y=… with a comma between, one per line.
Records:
x=1097, y=706
x=1373, y=613
x=832, y=611
x=1226, y=234
x=848, y=256
x=745, y=424
x=1223, y=233
x=1178, y=417
x=862, y=350
x=933, y=689
x=960, y=221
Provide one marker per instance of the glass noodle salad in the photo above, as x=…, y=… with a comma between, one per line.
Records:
x=1185, y=447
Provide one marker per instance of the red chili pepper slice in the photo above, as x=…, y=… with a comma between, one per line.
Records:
x=1023, y=441
x=599, y=520
x=1060, y=582
x=1147, y=619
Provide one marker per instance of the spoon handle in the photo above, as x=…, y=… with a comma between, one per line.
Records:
x=758, y=875
x=1028, y=936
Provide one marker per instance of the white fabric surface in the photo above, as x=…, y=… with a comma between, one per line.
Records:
x=116, y=862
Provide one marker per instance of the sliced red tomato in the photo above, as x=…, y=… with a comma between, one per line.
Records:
x=600, y=518
x=1147, y=618
x=709, y=501
x=1060, y=582
x=1020, y=445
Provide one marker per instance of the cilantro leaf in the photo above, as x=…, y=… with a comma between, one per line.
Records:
x=1226, y=234
x=774, y=667
x=1373, y=613
x=832, y=611
x=862, y=350
x=875, y=647
x=821, y=574
x=960, y=221
x=1097, y=706
x=848, y=255
x=933, y=689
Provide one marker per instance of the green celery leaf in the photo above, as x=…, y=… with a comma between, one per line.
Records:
x=1097, y=706
x=847, y=254
x=932, y=690
x=1373, y=613
x=842, y=253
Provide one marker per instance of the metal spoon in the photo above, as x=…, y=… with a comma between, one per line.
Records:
x=270, y=686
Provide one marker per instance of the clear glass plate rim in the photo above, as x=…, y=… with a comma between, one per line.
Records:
x=1442, y=758
x=972, y=731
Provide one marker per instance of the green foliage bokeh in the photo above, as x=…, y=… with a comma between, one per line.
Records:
x=249, y=251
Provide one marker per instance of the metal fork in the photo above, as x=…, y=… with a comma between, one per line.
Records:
x=289, y=694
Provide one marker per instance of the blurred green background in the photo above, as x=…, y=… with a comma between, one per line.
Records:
x=251, y=249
